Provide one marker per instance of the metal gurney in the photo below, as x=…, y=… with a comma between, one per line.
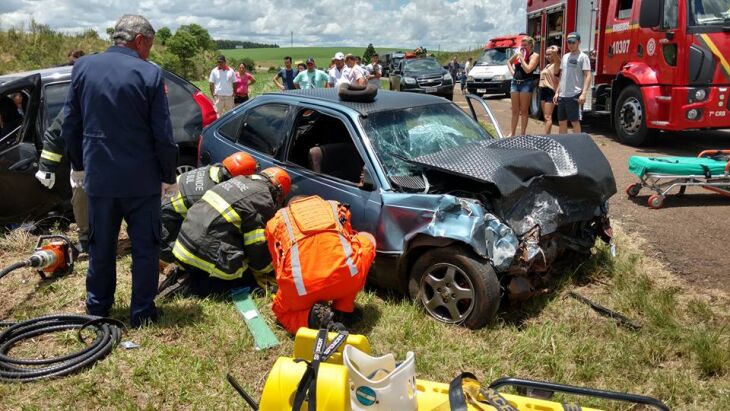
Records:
x=709, y=170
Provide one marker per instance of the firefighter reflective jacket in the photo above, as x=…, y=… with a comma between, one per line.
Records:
x=317, y=257
x=223, y=233
x=192, y=185
x=54, y=147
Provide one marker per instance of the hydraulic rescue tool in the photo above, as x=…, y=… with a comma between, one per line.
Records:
x=54, y=255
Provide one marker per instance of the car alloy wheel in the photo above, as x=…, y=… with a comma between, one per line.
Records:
x=447, y=293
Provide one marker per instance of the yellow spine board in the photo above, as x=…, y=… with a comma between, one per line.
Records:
x=332, y=385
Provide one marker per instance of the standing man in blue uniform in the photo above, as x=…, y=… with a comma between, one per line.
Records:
x=118, y=133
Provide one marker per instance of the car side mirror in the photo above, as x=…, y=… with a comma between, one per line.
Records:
x=367, y=183
x=649, y=14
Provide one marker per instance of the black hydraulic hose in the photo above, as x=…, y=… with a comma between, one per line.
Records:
x=108, y=334
x=12, y=267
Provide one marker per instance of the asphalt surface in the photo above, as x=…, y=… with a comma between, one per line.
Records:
x=691, y=234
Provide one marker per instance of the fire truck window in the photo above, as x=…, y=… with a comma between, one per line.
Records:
x=624, y=9
x=670, y=20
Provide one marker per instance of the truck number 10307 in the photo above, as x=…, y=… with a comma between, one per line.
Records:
x=621, y=46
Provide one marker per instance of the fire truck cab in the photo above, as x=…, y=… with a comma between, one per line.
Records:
x=657, y=64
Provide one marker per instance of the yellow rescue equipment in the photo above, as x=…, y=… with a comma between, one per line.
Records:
x=333, y=385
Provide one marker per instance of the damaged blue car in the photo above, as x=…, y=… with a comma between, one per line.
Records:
x=462, y=218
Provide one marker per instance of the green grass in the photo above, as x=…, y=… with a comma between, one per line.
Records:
x=267, y=57
x=680, y=355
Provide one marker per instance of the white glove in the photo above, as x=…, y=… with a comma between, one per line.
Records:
x=168, y=191
x=46, y=178
x=77, y=179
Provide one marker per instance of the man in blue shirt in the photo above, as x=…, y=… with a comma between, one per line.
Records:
x=119, y=141
x=284, y=79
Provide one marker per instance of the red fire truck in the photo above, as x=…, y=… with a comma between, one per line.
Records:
x=657, y=64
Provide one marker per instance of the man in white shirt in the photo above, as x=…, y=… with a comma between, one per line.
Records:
x=374, y=71
x=335, y=73
x=353, y=73
x=222, y=82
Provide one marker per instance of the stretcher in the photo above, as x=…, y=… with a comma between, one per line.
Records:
x=709, y=170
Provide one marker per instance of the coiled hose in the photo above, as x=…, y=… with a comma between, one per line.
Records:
x=108, y=335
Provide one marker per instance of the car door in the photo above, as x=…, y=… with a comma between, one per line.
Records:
x=363, y=199
x=23, y=196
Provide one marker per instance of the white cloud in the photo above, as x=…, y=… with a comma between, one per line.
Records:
x=452, y=25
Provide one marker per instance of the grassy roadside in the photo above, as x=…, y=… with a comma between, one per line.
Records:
x=681, y=355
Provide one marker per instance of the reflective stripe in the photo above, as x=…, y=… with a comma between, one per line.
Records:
x=179, y=204
x=254, y=237
x=345, y=244
x=348, y=255
x=269, y=268
x=50, y=155
x=213, y=173
x=296, y=265
x=223, y=208
x=187, y=257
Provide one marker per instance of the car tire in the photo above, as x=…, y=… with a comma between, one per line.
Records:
x=629, y=120
x=454, y=270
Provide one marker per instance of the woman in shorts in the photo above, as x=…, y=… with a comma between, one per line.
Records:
x=549, y=78
x=522, y=65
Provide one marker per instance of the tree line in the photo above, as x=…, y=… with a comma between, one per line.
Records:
x=232, y=44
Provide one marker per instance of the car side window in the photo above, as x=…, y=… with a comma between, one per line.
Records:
x=232, y=127
x=263, y=128
x=55, y=95
x=323, y=144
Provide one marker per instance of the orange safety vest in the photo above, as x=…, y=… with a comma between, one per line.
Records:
x=309, y=241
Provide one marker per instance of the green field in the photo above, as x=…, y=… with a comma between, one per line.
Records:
x=267, y=57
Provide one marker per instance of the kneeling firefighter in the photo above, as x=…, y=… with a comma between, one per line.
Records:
x=317, y=257
x=192, y=185
x=223, y=233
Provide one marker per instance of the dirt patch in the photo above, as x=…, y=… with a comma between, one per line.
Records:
x=691, y=234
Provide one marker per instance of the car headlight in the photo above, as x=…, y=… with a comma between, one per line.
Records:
x=499, y=77
x=447, y=77
x=470, y=78
x=409, y=80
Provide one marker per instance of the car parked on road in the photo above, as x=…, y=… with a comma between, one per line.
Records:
x=422, y=75
x=43, y=95
x=459, y=216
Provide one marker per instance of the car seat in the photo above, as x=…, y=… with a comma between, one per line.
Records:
x=340, y=160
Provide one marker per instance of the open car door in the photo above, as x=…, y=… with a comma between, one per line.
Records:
x=23, y=197
x=482, y=114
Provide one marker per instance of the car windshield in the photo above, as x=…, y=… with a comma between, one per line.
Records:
x=494, y=57
x=422, y=65
x=401, y=135
x=709, y=12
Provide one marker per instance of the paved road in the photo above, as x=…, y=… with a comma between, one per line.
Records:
x=691, y=234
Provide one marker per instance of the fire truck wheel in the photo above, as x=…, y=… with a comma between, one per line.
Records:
x=630, y=118
x=535, y=109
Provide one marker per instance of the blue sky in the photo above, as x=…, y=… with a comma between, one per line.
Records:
x=453, y=25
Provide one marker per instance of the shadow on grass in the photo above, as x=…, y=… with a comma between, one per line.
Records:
x=370, y=317
x=178, y=315
x=582, y=270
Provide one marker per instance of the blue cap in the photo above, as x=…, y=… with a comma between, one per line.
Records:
x=574, y=36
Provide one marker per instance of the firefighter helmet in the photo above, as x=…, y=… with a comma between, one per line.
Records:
x=279, y=178
x=240, y=164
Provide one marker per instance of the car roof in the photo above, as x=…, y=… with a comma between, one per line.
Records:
x=60, y=72
x=384, y=101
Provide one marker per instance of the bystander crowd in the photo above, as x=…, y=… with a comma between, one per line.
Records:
x=243, y=80
x=523, y=66
x=353, y=74
x=284, y=78
x=575, y=78
x=335, y=73
x=549, y=78
x=374, y=71
x=312, y=77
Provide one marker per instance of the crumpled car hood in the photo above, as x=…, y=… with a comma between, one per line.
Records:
x=563, y=177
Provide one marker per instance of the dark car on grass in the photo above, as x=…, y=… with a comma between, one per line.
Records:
x=44, y=93
x=460, y=217
x=422, y=75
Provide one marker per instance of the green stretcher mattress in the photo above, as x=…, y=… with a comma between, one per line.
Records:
x=677, y=166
